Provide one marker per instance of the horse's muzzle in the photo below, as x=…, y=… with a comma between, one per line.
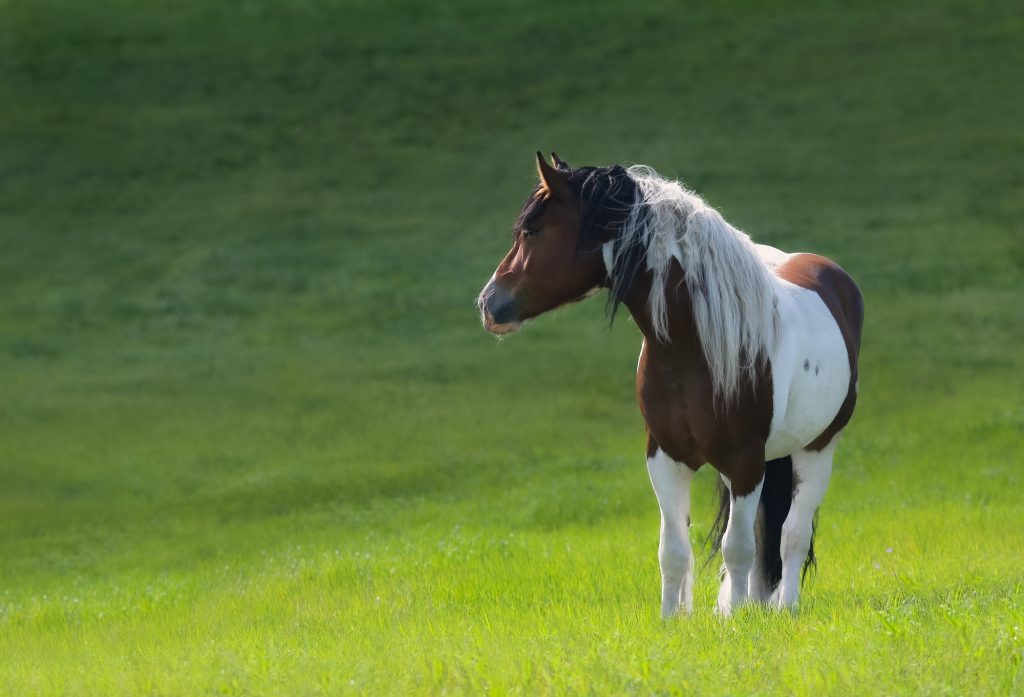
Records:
x=499, y=309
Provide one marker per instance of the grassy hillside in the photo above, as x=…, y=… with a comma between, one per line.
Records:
x=254, y=441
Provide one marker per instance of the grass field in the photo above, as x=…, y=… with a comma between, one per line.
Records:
x=253, y=440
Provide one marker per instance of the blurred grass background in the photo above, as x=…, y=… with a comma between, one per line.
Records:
x=253, y=440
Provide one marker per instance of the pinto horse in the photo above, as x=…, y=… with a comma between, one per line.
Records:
x=749, y=359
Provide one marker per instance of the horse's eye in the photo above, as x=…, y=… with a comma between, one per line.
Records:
x=530, y=231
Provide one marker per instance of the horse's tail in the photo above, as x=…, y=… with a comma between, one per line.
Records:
x=776, y=496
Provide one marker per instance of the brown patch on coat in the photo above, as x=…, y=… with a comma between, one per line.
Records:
x=674, y=390
x=843, y=299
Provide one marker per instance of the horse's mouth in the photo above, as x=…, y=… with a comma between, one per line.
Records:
x=500, y=328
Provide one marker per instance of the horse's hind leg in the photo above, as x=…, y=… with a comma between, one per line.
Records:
x=671, y=481
x=811, y=473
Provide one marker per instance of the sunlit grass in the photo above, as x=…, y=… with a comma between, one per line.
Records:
x=253, y=440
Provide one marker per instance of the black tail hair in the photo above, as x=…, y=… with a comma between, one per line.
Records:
x=776, y=496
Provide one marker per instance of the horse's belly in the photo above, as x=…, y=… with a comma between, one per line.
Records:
x=810, y=371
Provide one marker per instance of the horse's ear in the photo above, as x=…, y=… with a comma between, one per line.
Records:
x=559, y=164
x=555, y=182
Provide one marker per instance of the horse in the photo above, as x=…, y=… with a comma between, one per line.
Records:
x=748, y=362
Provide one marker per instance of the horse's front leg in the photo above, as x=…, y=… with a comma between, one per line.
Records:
x=671, y=481
x=738, y=544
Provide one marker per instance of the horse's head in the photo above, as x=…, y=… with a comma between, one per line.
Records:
x=553, y=260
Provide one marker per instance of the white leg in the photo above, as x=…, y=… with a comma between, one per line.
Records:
x=757, y=582
x=811, y=472
x=671, y=481
x=738, y=548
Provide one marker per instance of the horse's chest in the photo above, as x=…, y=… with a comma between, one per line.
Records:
x=670, y=399
x=810, y=372
x=675, y=398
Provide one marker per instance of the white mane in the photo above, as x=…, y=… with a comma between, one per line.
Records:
x=730, y=287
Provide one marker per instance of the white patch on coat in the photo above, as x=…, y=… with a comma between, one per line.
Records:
x=608, y=255
x=810, y=370
x=771, y=256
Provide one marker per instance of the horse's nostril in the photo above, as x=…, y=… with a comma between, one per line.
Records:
x=503, y=308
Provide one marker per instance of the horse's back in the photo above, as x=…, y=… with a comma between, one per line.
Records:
x=815, y=369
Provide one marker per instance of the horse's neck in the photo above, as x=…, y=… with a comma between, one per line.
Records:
x=682, y=330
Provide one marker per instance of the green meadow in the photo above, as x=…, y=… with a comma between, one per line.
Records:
x=253, y=440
